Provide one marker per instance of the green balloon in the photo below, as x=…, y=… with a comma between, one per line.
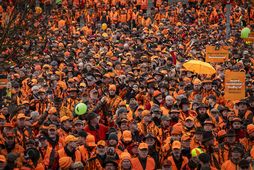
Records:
x=81, y=109
x=245, y=32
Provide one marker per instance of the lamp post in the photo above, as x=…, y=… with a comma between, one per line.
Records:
x=228, y=13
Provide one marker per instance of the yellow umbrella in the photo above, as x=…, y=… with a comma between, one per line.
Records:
x=199, y=67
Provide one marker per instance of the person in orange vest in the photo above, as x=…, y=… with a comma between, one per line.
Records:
x=196, y=88
x=209, y=145
x=54, y=144
x=66, y=127
x=12, y=147
x=202, y=115
x=178, y=161
x=110, y=164
x=186, y=112
x=70, y=149
x=72, y=100
x=235, y=157
x=143, y=161
x=153, y=148
x=123, y=16
x=243, y=112
x=204, y=162
x=248, y=141
x=23, y=131
x=125, y=161
x=88, y=150
x=97, y=161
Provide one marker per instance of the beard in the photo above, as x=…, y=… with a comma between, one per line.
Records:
x=112, y=95
x=175, y=119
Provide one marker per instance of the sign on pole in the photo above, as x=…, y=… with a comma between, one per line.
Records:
x=217, y=54
x=234, y=85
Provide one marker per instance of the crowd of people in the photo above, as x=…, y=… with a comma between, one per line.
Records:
x=124, y=60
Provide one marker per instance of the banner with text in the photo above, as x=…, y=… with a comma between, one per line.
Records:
x=234, y=85
x=217, y=54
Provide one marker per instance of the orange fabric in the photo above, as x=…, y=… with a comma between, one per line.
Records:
x=85, y=155
x=49, y=150
x=229, y=165
x=136, y=165
x=62, y=153
x=174, y=167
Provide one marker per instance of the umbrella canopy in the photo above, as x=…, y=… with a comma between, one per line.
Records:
x=199, y=67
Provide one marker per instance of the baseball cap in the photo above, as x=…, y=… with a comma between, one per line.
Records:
x=176, y=145
x=143, y=146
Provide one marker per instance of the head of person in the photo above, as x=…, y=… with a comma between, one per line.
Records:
x=169, y=101
x=71, y=142
x=150, y=139
x=207, y=138
x=52, y=131
x=176, y=149
x=90, y=142
x=212, y=100
x=165, y=121
x=230, y=137
x=174, y=114
x=236, y=154
x=242, y=105
x=185, y=104
x=127, y=137
x=204, y=161
x=202, y=109
x=112, y=90
x=93, y=119
x=199, y=133
x=10, y=138
x=112, y=139
x=147, y=117
x=125, y=161
x=66, y=122
x=110, y=164
x=237, y=123
x=244, y=164
x=196, y=84
x=101, y=147
x=21, y=118
x=143, y=150
x=189, y=122
x=207, y=84
x=79, y=125
x=157, y=95
x=208, y=125
x=156, y=112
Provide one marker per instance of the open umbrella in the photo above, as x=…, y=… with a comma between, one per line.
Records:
x=199, y=67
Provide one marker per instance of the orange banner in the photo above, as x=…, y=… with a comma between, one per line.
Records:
x=234, y=85
x=214, y=55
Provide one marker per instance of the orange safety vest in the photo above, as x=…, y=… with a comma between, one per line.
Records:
x=174, y=167
x=62, y=153
x=136, y=165
x=123, y=17
x=84, y=153
x=144, y=4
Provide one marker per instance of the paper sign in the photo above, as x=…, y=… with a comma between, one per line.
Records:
x=234, y=85
x=219, y=55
